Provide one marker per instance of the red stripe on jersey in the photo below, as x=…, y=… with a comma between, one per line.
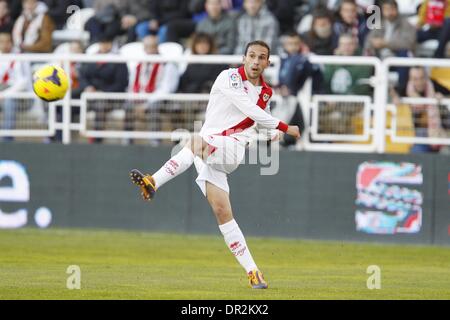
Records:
x=264, y=97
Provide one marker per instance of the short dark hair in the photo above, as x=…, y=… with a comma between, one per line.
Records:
x=257, y=43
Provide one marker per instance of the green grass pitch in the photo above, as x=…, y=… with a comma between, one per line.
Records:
x=138, y=265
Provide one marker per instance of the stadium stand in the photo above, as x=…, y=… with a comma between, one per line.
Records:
x=375, y=119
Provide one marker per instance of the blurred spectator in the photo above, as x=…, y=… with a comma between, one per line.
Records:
x=76, y=47
x=349, y=21
x=156, y=78
x=427, y=119
x=342, y=118
x=57, y=10
x=256, y=23
x=396, y=36
x=15, y=8
x=198, y=77
x=103, y=77
x=32, y=32
x=220, y=26
x=163, y=13
x=289, y=111
x=86, y=3
x=133, y=13
x=106, y=21
x=284, y=11
x=232, y=5
x=6, y=23
x=14, y=77
x=321, y=39
x=295, y=68
x=347, y=79
x=434, y=23
x=179, y=29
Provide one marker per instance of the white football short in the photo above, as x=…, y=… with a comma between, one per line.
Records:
x=225, y=155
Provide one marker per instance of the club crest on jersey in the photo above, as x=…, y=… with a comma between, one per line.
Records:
x=266, y=97
x=235, y=80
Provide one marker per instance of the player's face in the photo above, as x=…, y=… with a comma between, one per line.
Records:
x=256, y=60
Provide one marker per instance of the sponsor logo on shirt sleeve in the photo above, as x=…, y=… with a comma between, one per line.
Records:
x=235, y=80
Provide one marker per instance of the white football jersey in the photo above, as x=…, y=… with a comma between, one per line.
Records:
x=236, y=107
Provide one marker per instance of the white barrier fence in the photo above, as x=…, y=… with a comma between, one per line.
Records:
x=67, y=103
x=441, y=136
x=108, y=115
x=350, y=107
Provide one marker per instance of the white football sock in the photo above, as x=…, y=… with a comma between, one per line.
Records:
x=236, y=243
x=176, y=165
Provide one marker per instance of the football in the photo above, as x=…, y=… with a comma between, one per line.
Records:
x=50, y=83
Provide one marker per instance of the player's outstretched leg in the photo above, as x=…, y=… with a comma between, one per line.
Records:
x=233, y=236
x=175, y=166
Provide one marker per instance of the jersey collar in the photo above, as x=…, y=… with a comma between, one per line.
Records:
x=244, y=77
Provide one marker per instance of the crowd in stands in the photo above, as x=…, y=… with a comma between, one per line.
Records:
x=293, y=28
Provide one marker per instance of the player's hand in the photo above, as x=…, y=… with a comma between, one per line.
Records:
x=293, y=131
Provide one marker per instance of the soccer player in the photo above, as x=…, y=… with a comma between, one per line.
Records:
x=237, y=104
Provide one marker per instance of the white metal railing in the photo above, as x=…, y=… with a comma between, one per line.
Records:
x=373, y=135
x=336, y=99
x=102, y=96
x=373, y=115
x=89, y=105
x=435, y=140
x=65, y=59
x=444, y=139
x=50, y=117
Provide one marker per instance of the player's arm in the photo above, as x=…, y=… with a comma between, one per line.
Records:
x=233, y=89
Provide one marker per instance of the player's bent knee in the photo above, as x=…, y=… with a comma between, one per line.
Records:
x=221, y=211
